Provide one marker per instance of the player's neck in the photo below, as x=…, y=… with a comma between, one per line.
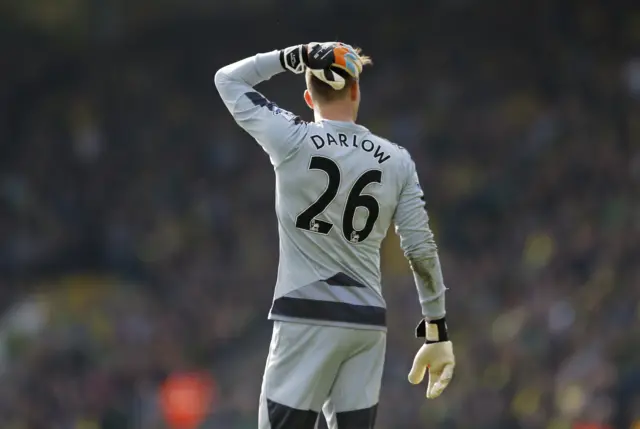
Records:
x=335, y=113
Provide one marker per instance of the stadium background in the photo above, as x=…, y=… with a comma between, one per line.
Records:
x=137, y=228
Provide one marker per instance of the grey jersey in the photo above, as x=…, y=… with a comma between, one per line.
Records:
x=338, y=189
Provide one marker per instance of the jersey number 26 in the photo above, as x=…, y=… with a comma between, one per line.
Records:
x=307, y=220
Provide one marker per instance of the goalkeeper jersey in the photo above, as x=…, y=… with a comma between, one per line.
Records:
x=338, y=189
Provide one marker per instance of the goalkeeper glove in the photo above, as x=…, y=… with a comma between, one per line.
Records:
x=295, y=58
x=436, y=355
x=330, y=62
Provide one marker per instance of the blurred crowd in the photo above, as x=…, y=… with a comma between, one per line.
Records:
x=138, y=233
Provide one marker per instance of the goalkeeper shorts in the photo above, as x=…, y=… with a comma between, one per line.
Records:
x=313, y=369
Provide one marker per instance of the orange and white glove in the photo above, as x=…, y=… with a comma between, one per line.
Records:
x=436, y=356
x=330, y=62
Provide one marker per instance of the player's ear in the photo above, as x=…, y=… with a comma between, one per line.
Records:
x=353, y=91
x=308, y=99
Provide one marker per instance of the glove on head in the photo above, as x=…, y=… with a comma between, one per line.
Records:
x=333, y=62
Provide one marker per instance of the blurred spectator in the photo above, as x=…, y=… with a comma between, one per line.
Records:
x=118, y=160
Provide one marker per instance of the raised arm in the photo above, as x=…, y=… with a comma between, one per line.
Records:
x=278, y=132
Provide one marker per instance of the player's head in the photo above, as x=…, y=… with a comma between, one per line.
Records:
x=337, y=89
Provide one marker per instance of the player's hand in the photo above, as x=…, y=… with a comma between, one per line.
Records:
x=325, y=60
x=324, y=56
x=436, y=355
x=439, y=360
x=294, y=58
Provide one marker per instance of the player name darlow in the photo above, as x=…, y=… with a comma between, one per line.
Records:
x=350, y=141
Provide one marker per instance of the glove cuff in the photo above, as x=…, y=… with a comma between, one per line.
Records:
x=433, y=331
x=294, y=58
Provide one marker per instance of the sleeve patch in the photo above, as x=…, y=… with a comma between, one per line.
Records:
x=259, y=100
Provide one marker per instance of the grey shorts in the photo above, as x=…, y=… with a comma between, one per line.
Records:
x=312, y=369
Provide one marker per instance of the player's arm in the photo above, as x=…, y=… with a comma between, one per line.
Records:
x=417, y=241
x=419, y=246
x=278, y=132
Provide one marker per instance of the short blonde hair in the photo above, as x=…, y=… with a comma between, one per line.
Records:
x=364, y=59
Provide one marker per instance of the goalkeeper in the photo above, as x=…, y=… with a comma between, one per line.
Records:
x=338, y=189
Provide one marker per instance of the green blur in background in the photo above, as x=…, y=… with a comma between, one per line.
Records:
x=138, y=237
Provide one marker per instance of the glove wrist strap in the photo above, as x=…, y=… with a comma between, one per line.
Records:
x=434, y=331
x=294, y=58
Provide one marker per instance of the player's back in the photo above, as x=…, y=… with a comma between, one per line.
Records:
x=338, y=188
x=335, y=199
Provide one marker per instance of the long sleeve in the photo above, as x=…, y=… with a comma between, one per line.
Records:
x=278, y=132
x=418, y=243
